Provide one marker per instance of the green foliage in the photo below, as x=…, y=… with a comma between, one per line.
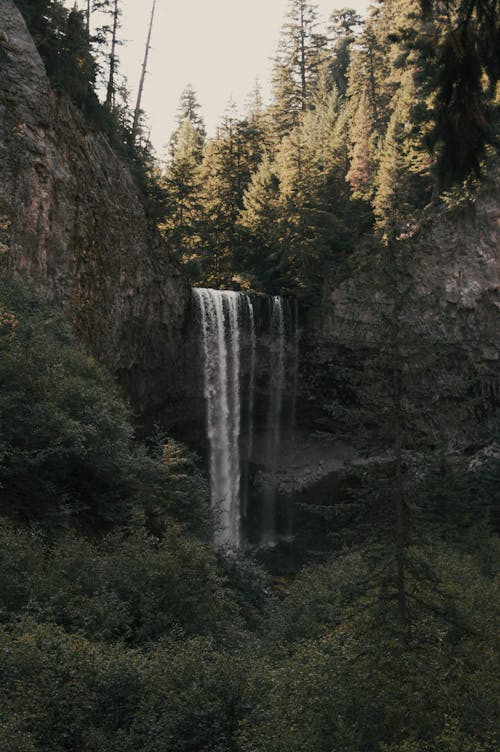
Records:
x=73, y=60
x=130, y=587
x=283, y=197
x=64, y=429
x=148, y=638
x=67, y=457
x=297, y=64
x=191, y=700
x=52, y=684
x=342, y=32
x=63, y=43
x=339, y=678
x=461, y=69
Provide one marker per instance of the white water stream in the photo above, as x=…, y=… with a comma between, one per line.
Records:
x=228, y=336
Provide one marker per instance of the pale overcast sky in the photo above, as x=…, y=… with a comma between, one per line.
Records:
x=218, y=46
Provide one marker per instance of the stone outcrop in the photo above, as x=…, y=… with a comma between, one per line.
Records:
x=73, y=225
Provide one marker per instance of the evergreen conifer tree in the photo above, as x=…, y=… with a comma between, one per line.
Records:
x=225, y=173
x=342, y=34
x=459, y=56
x=360, y=171
x=402, y=180
x=296, y=67
x=189, y=110
x=115, y=12
x=182, y=178
x=261, y=220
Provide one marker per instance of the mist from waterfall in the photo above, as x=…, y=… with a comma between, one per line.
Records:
x=232, y=329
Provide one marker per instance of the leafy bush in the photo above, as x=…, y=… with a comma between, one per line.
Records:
x=67, y=455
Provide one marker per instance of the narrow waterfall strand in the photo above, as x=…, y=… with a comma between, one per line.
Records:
x=276, y=390
x=251, y=380
x=278, y=333
x=295, y=335
x=232, y=300
x=251, y=346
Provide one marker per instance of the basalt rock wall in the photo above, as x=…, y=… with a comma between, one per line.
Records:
x=73, y=225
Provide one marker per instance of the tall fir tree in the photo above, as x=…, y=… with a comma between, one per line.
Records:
x=403, y=184
x=261, y=221
x=182, y=178
x=189, y=110
x=360, y=171
x=115, y=12
x=459, y=51
x=342, y=32
x=225, y=173
x=296, y=66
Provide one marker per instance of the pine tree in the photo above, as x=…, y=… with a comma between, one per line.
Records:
x=305, y=190
x=189, y=110
x=113, y=58
x=182, y=182
x=225, y=173
x=63, y=43
x=259, y=125
x=296, y=67
x=182, y=179
x=137, y=111
x=371, y=68
x=460, y=61
x=261, y=219
x=361, y=157
x=403, y=185
x=77, y=67
x=342, y=34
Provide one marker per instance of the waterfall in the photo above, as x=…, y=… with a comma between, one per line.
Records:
x=232, y=342
x=221, y=375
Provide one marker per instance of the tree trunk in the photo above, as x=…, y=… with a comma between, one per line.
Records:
x=303, y=82
x=87, y=16
x=137, y=112
x=110, y=93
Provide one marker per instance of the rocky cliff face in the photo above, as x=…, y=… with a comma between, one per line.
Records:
x=441, y=288
x=72, y=223
x=437, y=294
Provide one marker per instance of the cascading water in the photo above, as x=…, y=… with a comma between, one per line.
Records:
x=231, y=325
x=250, y=401
x=277, y=380
x=221, y=355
